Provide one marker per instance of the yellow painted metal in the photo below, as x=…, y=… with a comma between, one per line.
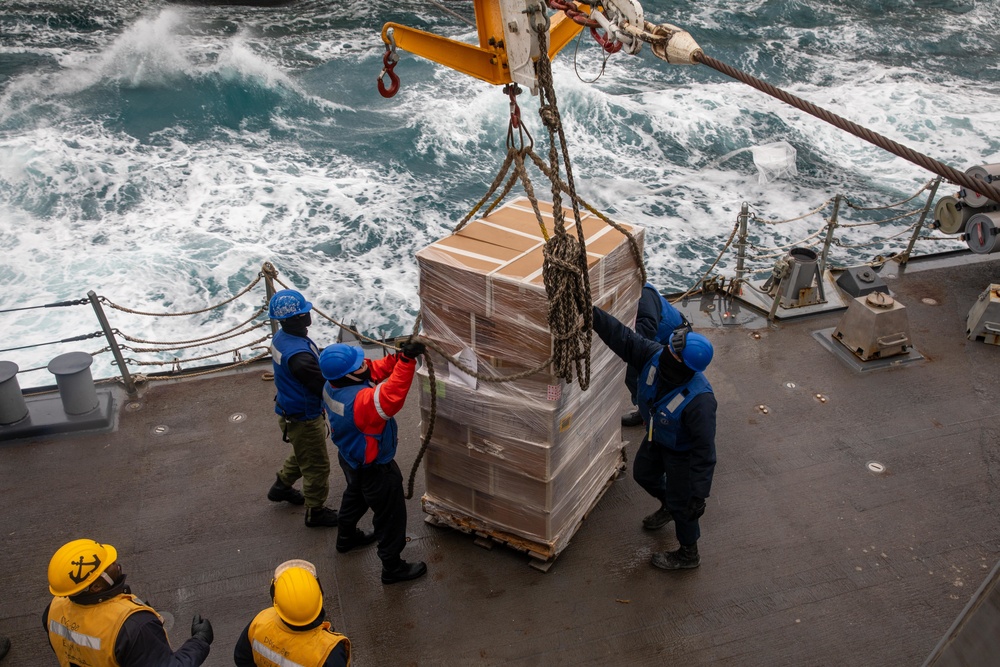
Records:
x=488, y=61
x=562, y=32
x=489, y=22
x=469, y=59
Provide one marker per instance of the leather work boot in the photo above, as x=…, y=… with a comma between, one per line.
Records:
x=657, y=519
x=357, y=538
x=632, y=418
x=280, y=491
x=403, y=572
x=321, y=517
x=684, y=558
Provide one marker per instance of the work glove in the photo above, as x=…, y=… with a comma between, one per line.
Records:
x=412, y=349
x=202, y=628
x=695, y=508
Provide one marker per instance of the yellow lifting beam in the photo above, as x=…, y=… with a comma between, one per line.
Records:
x=490, y=60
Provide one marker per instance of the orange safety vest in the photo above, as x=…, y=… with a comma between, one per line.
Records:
x=275, y=644
x=85, y=635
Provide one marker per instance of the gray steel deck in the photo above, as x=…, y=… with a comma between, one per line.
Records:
x=808, y=558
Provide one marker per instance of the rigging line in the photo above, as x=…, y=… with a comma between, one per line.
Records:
x=916, y=194
x=243, y=291
x=907, y=214
x=452, y=12
x=96, y=334
x=260, y=311
x=58, y=304
x=804, y=215
x=928, y=163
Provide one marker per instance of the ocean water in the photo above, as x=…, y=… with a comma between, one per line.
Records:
x=158, y=154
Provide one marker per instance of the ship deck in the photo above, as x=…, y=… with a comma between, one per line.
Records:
x=808, y=557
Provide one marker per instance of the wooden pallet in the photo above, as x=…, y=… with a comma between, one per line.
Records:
x=543, y=554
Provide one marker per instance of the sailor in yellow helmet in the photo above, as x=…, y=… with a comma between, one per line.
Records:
x=293, y=631
x=95, y=620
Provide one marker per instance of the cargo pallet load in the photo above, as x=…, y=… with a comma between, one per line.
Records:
x=518, y=462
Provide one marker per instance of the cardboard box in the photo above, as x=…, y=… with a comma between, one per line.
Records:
x=484, y=285
x=528, y=456
x=554, y=527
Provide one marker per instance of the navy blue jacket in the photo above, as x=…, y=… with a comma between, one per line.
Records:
x=698, y=419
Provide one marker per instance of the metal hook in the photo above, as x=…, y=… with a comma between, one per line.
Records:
x=389, y=61
x=609, y=44
x=513, y=90
x=393, y=77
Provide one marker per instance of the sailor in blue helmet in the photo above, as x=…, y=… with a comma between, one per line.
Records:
x=362, y=398
x=299, y=404
x=655, y=319
x=676, y=458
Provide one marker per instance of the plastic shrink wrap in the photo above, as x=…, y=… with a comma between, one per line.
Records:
x=522, y=460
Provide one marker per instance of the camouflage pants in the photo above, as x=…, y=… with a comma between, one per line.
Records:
x=309, y=459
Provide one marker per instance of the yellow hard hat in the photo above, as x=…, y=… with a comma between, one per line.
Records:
x=296, y=592
x=78, y=564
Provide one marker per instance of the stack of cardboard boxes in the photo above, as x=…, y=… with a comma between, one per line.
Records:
x=525, y=458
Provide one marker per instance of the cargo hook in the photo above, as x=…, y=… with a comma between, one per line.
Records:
x=389, y=61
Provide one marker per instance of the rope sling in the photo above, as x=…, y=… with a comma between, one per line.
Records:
x=565, y=271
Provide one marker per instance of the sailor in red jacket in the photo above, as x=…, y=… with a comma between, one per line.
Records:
x=361, y=398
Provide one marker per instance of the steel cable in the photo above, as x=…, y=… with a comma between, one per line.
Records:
x=917, y=158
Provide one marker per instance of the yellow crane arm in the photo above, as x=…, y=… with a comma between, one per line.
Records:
x=504, y=54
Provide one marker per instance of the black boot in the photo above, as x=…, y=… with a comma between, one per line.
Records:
x=684, y=558
x=321, y=517
x=657, y=519
x=4, y=646
x=282, y=492
x=403, y=572
x=356, y=538
x=632, y=418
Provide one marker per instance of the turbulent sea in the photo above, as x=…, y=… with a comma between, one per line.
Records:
x=158, y=154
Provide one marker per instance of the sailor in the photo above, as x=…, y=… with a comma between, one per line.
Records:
x=293, y=631
x=95, y=620
x=361, y=398
x=655, y=319
x=676, y=458
x=299, y=404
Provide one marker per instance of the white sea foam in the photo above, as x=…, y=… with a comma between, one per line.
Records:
x=339, y=188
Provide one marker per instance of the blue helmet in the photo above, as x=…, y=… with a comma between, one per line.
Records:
x=695, y=350
x=287, y=303
x=340, y=359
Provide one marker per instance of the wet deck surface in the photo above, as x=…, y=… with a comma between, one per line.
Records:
x=808, y=558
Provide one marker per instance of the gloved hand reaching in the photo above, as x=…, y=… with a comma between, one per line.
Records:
x=202, y=628
x=412, y=349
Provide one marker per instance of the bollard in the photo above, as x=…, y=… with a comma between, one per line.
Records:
x=801, y=272
x=12, y=406
x=76, y=384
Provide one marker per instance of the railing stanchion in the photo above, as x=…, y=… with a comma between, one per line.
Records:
x=741, y=244
x=920, y=223
x=268, y=269
x=832, y=225
x=112, y=342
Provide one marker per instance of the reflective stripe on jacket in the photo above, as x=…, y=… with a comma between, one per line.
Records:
x=86, y=634
x=274, y=643
x=663, y=415
x=361, y=416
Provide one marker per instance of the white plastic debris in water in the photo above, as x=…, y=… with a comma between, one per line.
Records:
x=774, y=161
